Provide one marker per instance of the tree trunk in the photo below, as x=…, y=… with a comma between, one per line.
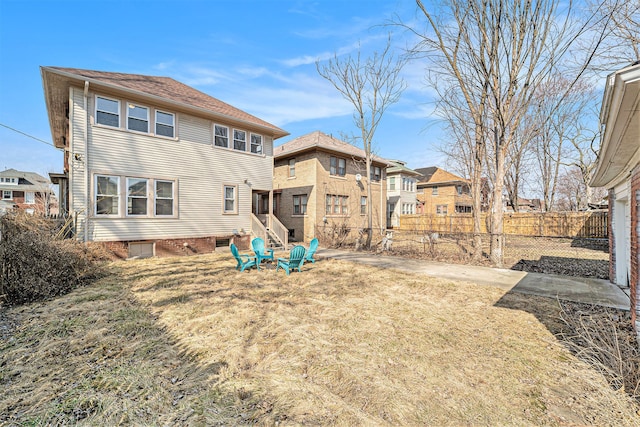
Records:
x=497, y=213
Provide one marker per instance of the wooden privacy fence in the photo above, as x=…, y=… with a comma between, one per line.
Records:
x=590, y=224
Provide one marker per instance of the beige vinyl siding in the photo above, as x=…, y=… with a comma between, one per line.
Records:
x=199, y=169
x=194, y=129
x=77, y=171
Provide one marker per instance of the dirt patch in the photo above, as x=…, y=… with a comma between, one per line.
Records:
x=598, y=269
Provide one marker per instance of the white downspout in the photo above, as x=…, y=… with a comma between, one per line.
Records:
x=87, y=210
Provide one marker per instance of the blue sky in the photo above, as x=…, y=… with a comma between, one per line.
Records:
x=256, y=55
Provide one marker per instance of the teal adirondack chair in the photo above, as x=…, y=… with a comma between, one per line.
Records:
x=296, y=259
x=261, y=252
x=313, y=247
x=244, y=261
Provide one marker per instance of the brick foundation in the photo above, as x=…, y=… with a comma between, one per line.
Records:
x=177, y=247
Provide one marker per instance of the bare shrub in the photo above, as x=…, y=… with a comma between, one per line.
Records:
x=334, y=235
x=36, y=265
x=604, y=338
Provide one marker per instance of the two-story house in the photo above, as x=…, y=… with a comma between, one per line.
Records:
x=401, y=192
x=25, y=190
x=320, y=183
x=154, y=166
x=441, y=192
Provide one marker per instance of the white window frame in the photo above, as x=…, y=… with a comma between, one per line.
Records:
x=392, y=183
x=215, y=135
x=7, y=195
x=156, y=198
x=107, y=112
x=234, y=200
x=30, y=197
x=237, y=132
x=363, y=205
x=172, y=126
x=434, y=191
x=258, y=144
x=97, y=194
x=142, y=107
x=130, y=197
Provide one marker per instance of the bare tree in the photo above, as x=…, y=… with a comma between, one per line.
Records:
x=623, y=41
x=498, y=53
x=371, y=85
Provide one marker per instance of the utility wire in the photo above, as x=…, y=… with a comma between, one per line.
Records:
x=27, y=135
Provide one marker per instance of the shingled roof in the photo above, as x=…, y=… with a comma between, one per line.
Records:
x=27, y=181
x=321, y=141
x=163, y=89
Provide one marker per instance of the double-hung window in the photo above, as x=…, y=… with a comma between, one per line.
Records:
x=164, y=198
x=338, y=166
x=7, y=194
x=392, y=183
x=230, y=199
x=221, y=136
x=292, y=168
x=137, y=196
x=376, y=173
x=107, y=195
x=165, y=124
x=107, y=111
x=137, y=118
x=363, y=205
x=300, y=204
x=239, y=140
x=337, y=205
x=434, y=191
x=256, y=143
x=30, y=197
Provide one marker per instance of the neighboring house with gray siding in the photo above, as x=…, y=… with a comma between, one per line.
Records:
x=25, y=190
x=153, y=163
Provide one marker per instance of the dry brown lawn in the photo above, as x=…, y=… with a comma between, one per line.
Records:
x=191, y=341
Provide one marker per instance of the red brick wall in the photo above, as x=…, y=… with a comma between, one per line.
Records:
x=635, y=230
x=177, y=247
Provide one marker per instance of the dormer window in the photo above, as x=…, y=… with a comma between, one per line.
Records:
x=9, y=180
x=137, y=118
x=107, y=112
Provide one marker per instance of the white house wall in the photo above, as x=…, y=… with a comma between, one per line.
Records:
x=199, y=169
x=77, y=171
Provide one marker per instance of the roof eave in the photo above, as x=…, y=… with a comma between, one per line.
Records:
x=275, y=131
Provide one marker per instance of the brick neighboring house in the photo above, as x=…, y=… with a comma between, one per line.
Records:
x=618, y=170
x=153, y=166
x=401, y=192
x=441, y=192
x=319, y=182
x=25, y=190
